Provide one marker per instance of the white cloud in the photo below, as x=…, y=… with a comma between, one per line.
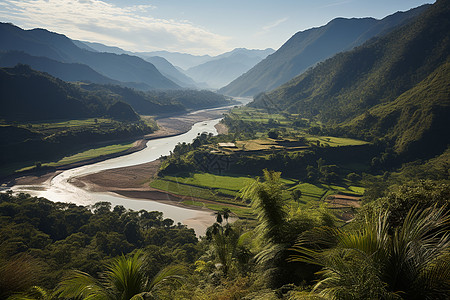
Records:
x=274, y=24
x=336, y=4
x=129, y=27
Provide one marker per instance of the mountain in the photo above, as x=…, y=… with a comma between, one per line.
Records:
x=394, y=87
x=161, y=102
x=223, y=68
x=168, y=70
x=98, y=47
x=28, y=95
x=163, y=66
x=64, y=71
x=141, y=102
x=125, y=68
x=83, y=45
x=418, y=121
x=307, y=48
x=182, y=60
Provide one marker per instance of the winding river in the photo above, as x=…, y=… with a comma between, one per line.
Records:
x=60, y=189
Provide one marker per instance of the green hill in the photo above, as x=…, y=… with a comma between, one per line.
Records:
x=417, y=121
x=400, y=69
x=162, y=102
x=306, y=48
x=28, y=95
x=64, y=71
x=124, y=68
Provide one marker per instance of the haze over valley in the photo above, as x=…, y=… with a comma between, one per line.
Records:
x=205, y=150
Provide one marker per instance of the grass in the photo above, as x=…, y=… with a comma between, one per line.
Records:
x=336, y=141
x=207, y=180
x=241, y=212
x=222, y=189
x=85, y=155
x=53, y=126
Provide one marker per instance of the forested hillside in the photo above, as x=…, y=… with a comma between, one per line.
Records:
x=307, y=48
x=125, y=68
x=162, y=102
x=58, y=237
x=28, y=95
x=64, y=71
x=377, y=73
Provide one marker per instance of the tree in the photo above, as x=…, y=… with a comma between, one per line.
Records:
x=273, y=134
x=370, y=263
x=266, y=198
x=123, y=279
x=296, y=194
x=18, y=274
x=278, y=227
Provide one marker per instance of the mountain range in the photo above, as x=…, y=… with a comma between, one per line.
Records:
x=309, y=47
x=124, y=68
x=394, y=87
x=203, y=71
x=224, y=68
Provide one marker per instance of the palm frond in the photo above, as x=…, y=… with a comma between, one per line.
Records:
x=125, y=275
x=171, y=275
x=78, y=284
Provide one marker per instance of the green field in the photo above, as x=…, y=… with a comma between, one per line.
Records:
x=224, y=190
x=221, y=189
x=283, y=123
x=203, y=185
x=336, y=141
x=55, y=126
x=85, y=155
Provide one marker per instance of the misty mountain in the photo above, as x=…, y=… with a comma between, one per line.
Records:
x=83, y=45
x=307, y=48
x=98, y=47
x=64, y=71
x=125, y=68
x=182, y=60
x=224, y=68
x=163, y=66
x=393, y=88
x=168, y=70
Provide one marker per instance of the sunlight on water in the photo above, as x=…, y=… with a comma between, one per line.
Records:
x=61, y=190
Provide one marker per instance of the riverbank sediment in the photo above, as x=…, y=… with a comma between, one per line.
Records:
x=169, y=126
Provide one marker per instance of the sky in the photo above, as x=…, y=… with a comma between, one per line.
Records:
x=189, y=26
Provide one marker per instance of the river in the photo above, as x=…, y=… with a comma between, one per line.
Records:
x=60, y=189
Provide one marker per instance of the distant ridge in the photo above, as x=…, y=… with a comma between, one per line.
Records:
x=124, y=68
x=226, y=67
x=64, y=71
x=394, y=88
x=307, y=48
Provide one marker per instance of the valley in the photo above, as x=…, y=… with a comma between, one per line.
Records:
x=318, y=170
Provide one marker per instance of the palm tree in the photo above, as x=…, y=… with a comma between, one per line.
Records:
x=371, y=263
x=226, y=213
x=266, y=199
x=124, y=279
x=34, y=293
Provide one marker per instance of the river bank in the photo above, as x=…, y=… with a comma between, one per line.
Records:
x=124, y=180
x=168, y=126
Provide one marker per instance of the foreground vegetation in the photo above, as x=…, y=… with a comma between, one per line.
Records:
x=292, y=240
x=343, y=193
x=396, y=248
